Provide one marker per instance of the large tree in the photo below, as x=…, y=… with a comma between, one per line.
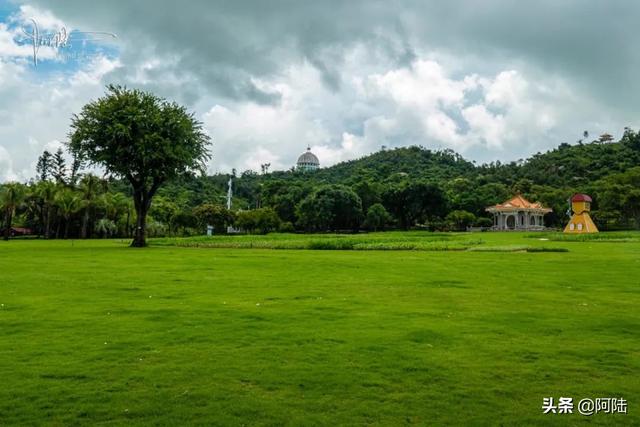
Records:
x=141, y=137
x=59, y=167
x=44, y=166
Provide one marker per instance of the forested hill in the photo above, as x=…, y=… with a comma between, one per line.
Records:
x=603, y=169
x=415, y=162
x=406, y=163
x=569, y=165
x=566, y=165
x=403, y=187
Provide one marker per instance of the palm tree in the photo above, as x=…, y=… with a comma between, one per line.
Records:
x=11, y=197
x=69, y=203
x=34, y=209
x=46, y=191
x=115, y=205
x=89, y=189
x=105, y=227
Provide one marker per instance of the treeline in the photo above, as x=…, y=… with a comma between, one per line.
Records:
x=400, y=188
x=441, y=190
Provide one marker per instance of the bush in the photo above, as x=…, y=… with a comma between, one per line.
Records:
x=377, y=217
x=483, y=222
x=156, y=228
x=217, y=216
x=286, y=227
x=460, y=220
x=261, y=220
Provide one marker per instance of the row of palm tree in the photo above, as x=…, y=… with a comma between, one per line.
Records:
x=60, y=210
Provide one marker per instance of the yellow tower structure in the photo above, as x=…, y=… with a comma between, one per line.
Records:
x=581, y=222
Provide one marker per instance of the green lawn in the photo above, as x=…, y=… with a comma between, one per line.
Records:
x=93, y=332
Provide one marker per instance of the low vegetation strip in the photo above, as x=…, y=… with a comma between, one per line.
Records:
x=372, y=241
x=397, y=241
x=609, y=237
x=517, y=248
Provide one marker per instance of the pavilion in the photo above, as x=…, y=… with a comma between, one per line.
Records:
x=518, y=214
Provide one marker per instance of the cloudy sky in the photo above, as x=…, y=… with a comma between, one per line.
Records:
x=491, y=80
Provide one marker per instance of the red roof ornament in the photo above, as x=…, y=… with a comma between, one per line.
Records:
x=581, y=198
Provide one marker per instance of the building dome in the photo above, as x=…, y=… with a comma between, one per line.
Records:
x=308, y=161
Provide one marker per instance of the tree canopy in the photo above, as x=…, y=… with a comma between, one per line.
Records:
x=414, y=186
x=140, y=137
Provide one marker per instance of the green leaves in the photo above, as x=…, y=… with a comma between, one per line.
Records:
x=141, y=137
x=331, y=207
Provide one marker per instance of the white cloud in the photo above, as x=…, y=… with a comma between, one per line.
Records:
x=265, y=104
x=485, y=126
x=506, y=90
x=36, y=110
x=483, y=117
x=45, y=19
x=351, y=147
x=423, y=86
x=6, y=166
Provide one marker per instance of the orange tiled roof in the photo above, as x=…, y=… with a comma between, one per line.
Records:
x=518, y=202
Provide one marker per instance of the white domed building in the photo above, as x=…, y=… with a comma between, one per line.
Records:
x=308, y=161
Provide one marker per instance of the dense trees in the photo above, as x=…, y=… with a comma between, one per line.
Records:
x=11, y=198
x=618, y=200
x=377, y=217
x=411, y=202
x=62, y=210
x=139, y=137
x=331, y=207
x=89, y=192
x=401, y=188
x=261, y=220
x=216, y=216
x=69, y=202
x=460, y=220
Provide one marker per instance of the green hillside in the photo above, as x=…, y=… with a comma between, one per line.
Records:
x=400, y=188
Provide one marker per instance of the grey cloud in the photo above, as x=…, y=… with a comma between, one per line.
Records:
x=592, y=41
x=223, y=44
x=204, y=53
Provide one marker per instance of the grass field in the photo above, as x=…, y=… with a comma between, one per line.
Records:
x=464, y=329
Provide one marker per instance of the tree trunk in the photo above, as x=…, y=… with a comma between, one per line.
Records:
x=41, y=226
x=66, y=228
x=139, y=236
x=142, y=202
x=85, y=222
x=47, y=225
x=127, y=230
x=7, y=230
x=58, y=226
